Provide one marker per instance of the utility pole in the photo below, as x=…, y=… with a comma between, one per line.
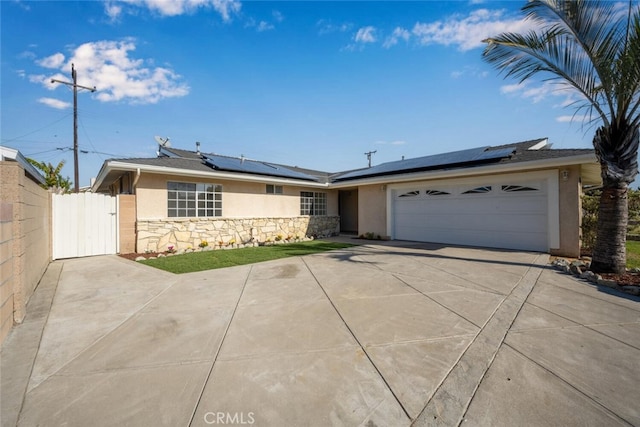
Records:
x=75, y=85
x=368, y=154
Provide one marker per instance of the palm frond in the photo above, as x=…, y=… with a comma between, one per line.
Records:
x=589, y=44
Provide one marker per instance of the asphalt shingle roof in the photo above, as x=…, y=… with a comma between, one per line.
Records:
x=501, y=154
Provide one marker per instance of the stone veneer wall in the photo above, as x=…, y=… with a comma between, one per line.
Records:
x=157, y=235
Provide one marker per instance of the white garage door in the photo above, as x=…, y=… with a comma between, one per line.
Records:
x=496, y=214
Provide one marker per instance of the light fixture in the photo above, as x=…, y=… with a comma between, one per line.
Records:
x=565, y=175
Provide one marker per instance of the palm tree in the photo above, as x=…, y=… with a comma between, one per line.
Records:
x=52, y=175
x=592, y=47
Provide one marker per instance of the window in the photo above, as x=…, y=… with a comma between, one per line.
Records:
x=435, y=193
x=313, y=203
x=186, y=199
x=413, y=193
x=479, y=190
x=274, y=189
x=517, y=188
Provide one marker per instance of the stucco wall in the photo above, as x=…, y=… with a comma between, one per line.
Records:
x=570, y=192
x=127, y=223
x=372, y=215
x=239, y=199
x=30, y=234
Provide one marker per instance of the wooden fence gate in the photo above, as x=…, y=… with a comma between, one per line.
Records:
x=84, y=224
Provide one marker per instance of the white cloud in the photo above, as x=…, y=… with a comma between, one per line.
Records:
x=577, y=118
x=327, y=27
x=277, y=15
x=27, y=54
x=399, y=33
x=537, y=92
x=469, y=71
x=107, y=65
x=225, y=8
x=55, y=103
x=365, y=35
x=469, y=31
x=53, y=61
x=264, y=26
x=513, y=88
x=113, y=10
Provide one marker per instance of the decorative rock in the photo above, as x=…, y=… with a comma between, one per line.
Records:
x=589, y=275
x=608, y=283
x=140, y=258
x=577, y=267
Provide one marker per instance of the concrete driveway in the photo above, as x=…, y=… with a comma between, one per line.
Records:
x=385, y=334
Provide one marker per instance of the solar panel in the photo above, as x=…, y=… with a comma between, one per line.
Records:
x=233, y=164
x=435, y=161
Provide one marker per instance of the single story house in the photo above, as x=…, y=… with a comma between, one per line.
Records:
x=524, y=196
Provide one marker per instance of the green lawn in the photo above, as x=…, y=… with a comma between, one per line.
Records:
x=633, y=254
x=209, y=260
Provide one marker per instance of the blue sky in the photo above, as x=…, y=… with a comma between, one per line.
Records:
x=310, y=84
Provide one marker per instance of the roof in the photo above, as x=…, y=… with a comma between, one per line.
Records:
x=177, y=161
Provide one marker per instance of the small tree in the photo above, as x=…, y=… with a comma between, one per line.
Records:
x=52, y=175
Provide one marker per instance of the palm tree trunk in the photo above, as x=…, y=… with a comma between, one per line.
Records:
x=609, y=253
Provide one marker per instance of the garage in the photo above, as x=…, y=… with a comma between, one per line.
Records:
x=499, y=212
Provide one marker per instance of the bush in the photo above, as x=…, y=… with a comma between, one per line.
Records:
x=590, y=205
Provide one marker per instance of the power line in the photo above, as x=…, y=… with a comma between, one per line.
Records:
x=37, y=130
x=89, y=139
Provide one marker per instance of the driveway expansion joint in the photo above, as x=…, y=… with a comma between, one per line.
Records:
x=449, y=403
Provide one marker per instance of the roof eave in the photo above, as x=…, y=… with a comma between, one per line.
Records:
x=475, y=171
x=110, y=166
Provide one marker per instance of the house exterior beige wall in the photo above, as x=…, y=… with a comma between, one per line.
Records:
x=239, y=199
x=28, y=249
x=570, y=195
x=372, y=214
x=248, y=215
x=127, y=223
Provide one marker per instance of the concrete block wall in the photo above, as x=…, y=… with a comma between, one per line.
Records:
x=6, y=269
x=28, y=250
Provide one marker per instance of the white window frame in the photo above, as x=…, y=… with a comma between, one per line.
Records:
x=274, y=189
x=193, y=200
x=313, y=203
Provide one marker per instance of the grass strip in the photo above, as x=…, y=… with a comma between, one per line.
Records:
x=210, y=260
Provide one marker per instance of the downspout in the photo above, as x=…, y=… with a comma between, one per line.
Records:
x=135, y=180
x=135, y=195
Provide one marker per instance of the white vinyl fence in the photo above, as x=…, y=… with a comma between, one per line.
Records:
x=84, y=224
